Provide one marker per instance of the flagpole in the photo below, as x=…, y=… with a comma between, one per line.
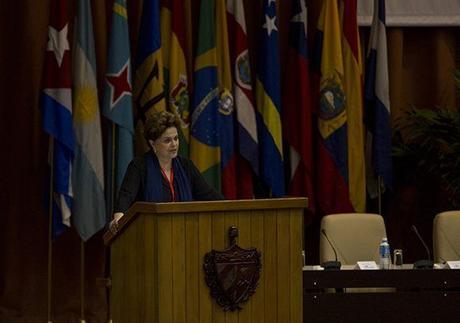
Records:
x=82, y=281
x=379, y=184
x=112, y=197
x=50, y=227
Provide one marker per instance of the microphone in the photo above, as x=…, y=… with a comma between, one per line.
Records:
x=330, y=265
x=424, y=263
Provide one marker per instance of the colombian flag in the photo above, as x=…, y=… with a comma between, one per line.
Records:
x=353, y=89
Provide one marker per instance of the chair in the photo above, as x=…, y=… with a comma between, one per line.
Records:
x=446, y=236
x=355, y=237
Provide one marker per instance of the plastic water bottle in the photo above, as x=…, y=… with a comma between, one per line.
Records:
x=385, y=256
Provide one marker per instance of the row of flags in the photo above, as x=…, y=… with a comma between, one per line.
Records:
x=307, y=142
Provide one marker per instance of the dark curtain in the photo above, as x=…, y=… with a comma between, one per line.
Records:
x=420, y=59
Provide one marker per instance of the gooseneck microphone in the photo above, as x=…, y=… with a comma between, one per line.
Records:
x=331, y=265
x=424, y=263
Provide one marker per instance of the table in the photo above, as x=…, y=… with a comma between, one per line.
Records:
x=410, y=295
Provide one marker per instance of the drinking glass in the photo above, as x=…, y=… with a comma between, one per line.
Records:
x=398, y=257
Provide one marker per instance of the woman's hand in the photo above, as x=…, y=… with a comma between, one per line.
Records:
x=113, y=225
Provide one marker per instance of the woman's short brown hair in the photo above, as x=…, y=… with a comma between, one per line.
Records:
x=157, y=123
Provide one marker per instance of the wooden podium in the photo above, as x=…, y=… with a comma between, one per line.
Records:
x=157, y=260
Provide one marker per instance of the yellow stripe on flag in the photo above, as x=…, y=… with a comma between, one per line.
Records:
x=270, y=115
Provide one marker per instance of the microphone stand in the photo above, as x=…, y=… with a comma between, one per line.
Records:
x=332, y=264
x=423, y=263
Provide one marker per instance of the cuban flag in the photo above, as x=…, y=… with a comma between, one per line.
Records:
x=56, y=105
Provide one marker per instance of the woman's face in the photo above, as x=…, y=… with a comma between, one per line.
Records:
x=167, y=145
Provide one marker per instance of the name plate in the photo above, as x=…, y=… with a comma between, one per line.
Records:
x=454, y=264
x=367, y=265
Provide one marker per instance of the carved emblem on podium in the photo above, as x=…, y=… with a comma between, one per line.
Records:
x=232, y=274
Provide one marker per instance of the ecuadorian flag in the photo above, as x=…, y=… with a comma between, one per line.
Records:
x=332, y=154
x=268, y=104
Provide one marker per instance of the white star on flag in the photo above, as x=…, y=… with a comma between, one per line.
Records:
x=58, y=43
x=270, y=24
x=302, y=16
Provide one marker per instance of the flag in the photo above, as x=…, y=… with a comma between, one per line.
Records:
x=148, y=91
x=297, y=110
x=247, y=141
x=268, y=104
x=226, y=110
x=332, y=144
x=56, y=105
x=117, y=106
x=204, y=141
x=378, y=99
x=88, y=179
x=353, y=89
x=176, y=77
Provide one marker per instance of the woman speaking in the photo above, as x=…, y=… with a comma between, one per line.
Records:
x=160, y=175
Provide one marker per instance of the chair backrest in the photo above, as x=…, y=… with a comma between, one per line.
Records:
x=355, y=236
x=446, y=236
